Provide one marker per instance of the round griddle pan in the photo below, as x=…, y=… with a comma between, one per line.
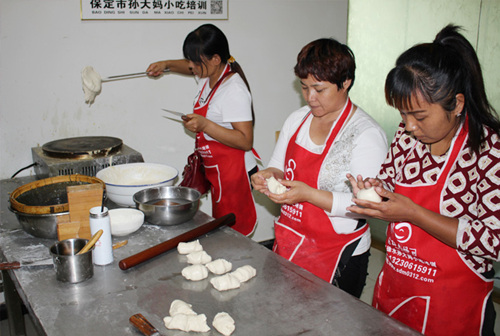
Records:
x=94, y=146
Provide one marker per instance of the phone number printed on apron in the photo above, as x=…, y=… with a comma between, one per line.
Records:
x=294, y=212
x=205, y=151
x=410, y=266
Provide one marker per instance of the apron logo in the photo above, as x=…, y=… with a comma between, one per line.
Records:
x=289, y=168
x=402, y=232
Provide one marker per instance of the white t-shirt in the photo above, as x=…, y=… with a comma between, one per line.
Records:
x=360, y=148
x=231, y=103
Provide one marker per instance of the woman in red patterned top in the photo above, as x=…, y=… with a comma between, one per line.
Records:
x=440, y=185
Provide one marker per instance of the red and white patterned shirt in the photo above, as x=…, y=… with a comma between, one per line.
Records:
x=472, y=194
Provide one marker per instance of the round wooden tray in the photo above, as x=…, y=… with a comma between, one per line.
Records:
x=49, y=195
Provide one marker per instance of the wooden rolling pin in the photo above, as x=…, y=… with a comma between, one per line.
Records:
x=156, y=250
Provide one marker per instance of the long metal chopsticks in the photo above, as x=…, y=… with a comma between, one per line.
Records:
x=132, y=75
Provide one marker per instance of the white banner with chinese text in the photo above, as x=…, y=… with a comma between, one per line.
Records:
x=153, y=9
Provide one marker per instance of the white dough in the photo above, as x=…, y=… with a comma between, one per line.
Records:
x=199, y=257
x=224, y=323
x=219, y=266
x=274, y=186
x=186, y=248
x=225, y=282
x=195, y=272
x=369, y=195
x=244, y=273
x=180, y=307
x=91, y=84
x=187, y=323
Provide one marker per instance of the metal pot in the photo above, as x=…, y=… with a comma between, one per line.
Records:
x=168, y=205
x=70, y=266
x=41, y=226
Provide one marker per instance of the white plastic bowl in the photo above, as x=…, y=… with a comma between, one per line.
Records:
x=125, y=221
x=123, y=181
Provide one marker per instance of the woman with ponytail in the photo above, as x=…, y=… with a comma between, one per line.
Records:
x=441, y=189
x=222, y=119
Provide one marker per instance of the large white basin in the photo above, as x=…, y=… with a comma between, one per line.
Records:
x=123, y=181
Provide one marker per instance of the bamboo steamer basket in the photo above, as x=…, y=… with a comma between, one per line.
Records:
x=51, y=190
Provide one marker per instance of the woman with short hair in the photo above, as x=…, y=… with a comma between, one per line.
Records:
x=317, y=146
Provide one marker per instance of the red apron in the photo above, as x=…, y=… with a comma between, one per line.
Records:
x=304, y=232
x=225, y=169
x=424, y=283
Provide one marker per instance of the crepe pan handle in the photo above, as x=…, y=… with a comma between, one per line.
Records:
x=156, y=250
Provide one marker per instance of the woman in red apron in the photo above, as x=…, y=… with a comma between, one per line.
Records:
x=317, y=145
x=222, y=120
x=443, y=169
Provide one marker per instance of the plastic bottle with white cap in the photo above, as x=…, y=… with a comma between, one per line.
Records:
x=103, y=250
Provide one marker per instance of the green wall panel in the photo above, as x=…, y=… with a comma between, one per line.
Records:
x=380, y=30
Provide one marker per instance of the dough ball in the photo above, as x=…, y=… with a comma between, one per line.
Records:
x=225, y=282
x=186, y=248
x=91, y=84
x=219, y=266
x=224, y=323
x=199, y=257
x=274, y=186
x=195, y=272
x=180, y=307
x=244, y=273
x=369, y=195
x=187, y=323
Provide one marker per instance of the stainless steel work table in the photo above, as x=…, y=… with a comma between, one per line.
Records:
x=282, y=299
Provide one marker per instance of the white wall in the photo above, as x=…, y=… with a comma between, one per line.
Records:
x=44, y=45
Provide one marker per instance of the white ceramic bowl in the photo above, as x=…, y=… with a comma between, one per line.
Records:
x=123, y=181
x=125, y=221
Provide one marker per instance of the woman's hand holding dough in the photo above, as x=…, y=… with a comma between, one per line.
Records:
x=259, y=179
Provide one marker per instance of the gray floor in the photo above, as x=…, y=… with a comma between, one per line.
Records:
x=375, y=265
x=4, y=328
x=4, y=324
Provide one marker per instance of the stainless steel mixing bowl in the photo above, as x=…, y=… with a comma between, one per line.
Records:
x=168, y=205
x=41, y=226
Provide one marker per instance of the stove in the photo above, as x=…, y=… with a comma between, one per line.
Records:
x=81, y=155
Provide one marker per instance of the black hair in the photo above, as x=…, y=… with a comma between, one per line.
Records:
x=438, y=71
x=205, y=42
x=328, y=60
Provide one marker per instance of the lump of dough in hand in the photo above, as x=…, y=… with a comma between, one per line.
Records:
x=180, y=307
x=187, y=323
x=225, y=282
x=274, y=186
x=91, y=84
x=369, y=195
x=195, y=272
x=200, y=257
x=186, y=248
x=219, y=266
x=244, y=273
x=224, y=323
